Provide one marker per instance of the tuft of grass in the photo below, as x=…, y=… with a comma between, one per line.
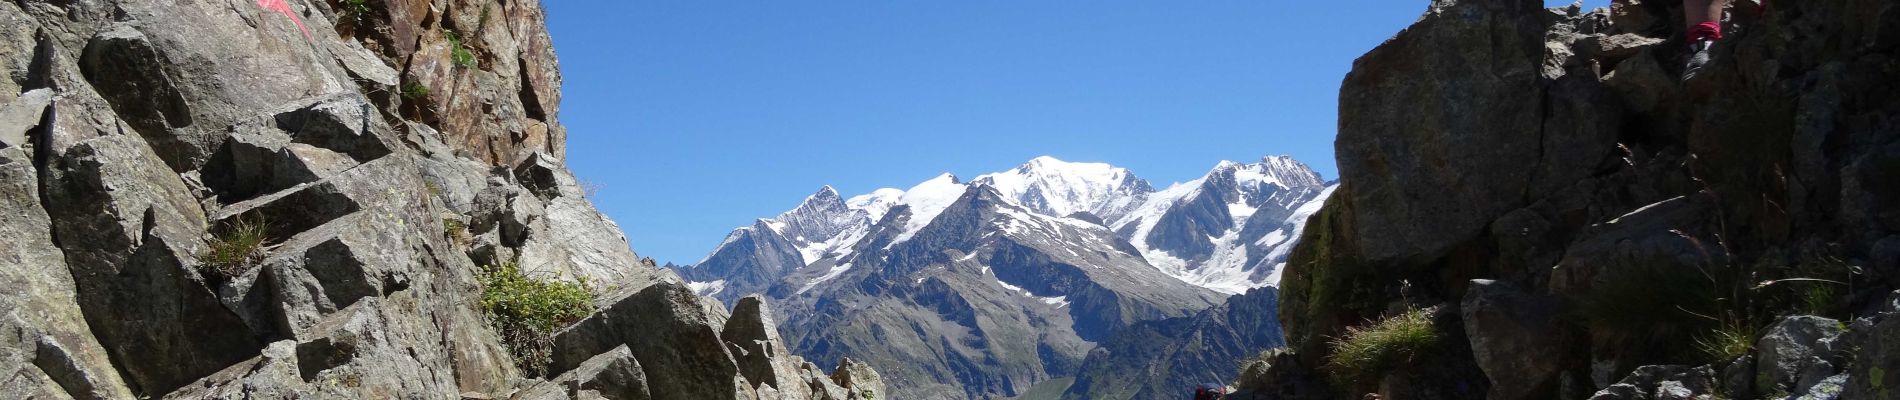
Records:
x=459, y=53
x=1729, y=342
x=1653, y=302
x=1818, y=298
x=356, y=8
x=527, y=311
x=1697, y=313
x=235, y=248
x=1366, y=353
x=456, y=230
x=414, y=91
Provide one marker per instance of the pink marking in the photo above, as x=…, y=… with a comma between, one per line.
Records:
x=282, y=7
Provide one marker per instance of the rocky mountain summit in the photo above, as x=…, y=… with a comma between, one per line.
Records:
x=986, y=288
x=306, y=199
x=1533, y=205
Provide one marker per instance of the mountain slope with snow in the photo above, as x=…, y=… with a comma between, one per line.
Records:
x=985, y=279
x=1230, y=230
x=1059, y=188
x=979, y=289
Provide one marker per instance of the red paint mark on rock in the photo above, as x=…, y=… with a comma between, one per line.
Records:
x=283, y=7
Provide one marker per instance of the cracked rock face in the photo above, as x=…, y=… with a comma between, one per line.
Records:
x=379, y=174
x=1560, y=153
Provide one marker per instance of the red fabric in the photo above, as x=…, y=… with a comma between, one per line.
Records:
x=283, y=7
x=1707, y=30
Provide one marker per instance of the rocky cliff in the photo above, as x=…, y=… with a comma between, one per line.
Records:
x=1573, y=220
x=282, y=199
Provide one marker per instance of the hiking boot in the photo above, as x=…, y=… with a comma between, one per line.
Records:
x=1698, y=57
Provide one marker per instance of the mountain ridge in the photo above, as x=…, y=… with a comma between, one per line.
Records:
x=1029, y=256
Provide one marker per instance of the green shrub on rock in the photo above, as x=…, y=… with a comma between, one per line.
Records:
x=526, y=310
x=459, y=53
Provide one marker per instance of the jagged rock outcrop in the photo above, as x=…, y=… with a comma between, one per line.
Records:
x=293, y=199
x=1556, y=151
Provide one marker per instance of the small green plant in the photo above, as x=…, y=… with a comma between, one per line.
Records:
x=1366, y=353
x=234, y=248
x=414, y=91
x=356, y=8
x=459, y=53
x=1818, y=298
x=456, y=230
x=527, y=311
x=1730, y=341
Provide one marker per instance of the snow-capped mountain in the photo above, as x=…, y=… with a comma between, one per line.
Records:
x=1230, y=230
x=1058, y=188
x=756, y=256
x=1052, y=255
x=983, y=279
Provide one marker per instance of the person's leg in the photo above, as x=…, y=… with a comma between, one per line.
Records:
x=1704, y=26
x=1703, y=18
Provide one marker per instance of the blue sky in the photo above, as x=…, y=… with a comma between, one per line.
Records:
x=695, y=117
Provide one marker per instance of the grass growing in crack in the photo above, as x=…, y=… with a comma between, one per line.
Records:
x=1366, y=353
x=456, y=230
x=526, y=311
x=414, y=91
x=235, y=248
x=459, y=53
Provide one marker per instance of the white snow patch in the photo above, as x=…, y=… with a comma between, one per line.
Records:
x=877, y=203
x=707, y=288
x=1058, y=301
x=833, y=273
x=926, y=201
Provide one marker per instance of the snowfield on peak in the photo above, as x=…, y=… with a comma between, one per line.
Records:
x=877, y=203
x=1060, y=188
x=1229, y=255
x=926, y=200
